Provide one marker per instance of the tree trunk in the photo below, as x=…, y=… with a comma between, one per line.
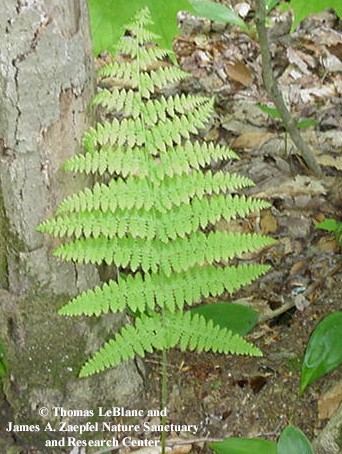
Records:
x=46, y=82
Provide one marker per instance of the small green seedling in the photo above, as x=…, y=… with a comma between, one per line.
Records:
x=333, y=226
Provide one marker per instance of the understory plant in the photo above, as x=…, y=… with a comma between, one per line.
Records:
x=291, y=441
x=153, y=215
x=333, y=226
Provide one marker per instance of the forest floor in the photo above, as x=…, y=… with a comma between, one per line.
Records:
x=257, y=397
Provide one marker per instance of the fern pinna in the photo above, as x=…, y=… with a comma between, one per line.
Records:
x=154, y=216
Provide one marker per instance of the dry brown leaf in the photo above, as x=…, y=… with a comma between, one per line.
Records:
x=336, y=49
x=330, y=161
x=327, y=244
x=268, y=224
x=326, y=36
x=213, y=134
x=301, y=184
x=338, y=85
x=242, y=9
x=288, y=247
x=323, y=92
x=181, y=449
x=250, y=140
x=232, y=226
x=301, y=302
x=297, y=267
x=240, y=73
x=330, y=401
x=319, y=217
x=296, y=57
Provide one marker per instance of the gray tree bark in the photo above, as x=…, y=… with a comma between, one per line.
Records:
x=46, y=82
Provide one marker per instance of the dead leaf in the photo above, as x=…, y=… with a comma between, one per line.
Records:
x=296, y=57
x=327, y=244
x=240, y=72
x=183, y=449
x=301, y=184
x=250, y=140
x=324, y=92
x=230, y=226
x=288, y=247
x=268, y=224
x=297, y=267
x=301, y=302
x=332, y=63
x=330, y=161
x=336, y=49
x=319, y=217
x=330, y=401
x=212, y=134
x=242, y=9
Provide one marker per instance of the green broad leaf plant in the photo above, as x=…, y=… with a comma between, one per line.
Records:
x=221, y=13
x=244, y=446
x=302, y=9
x=153, y=215
x=323, y=352
x=291, y=441
x=108, y=17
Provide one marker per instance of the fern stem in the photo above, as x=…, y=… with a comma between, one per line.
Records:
x=163, y=400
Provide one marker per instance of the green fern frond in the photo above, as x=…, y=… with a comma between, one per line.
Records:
x=132, y=132
x=146, y=56
x=142, y=292
x=154, y=255
x=142, y=35
x=129, y=77
x=126, y=101
x=150, y=112
x=136, y=193
x=177, y=160
x=182, y=220
x=162, y=332
x=151, y=214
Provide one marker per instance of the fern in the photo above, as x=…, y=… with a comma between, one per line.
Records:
x=164, y=332
x=155, y=213
x=139, y=223
x=176, y=161
x=148, y=291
